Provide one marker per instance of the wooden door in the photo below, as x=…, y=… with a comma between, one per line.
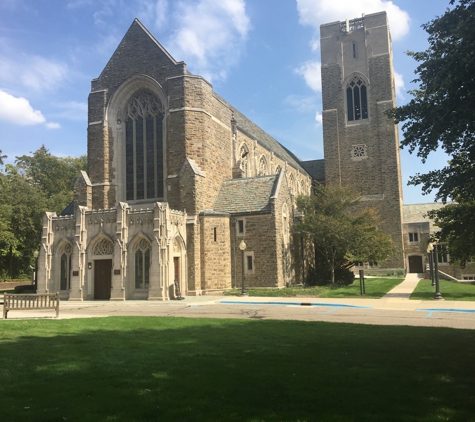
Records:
x=102, y=279
x=176, y=276
x=415, y=264
x=176, y=262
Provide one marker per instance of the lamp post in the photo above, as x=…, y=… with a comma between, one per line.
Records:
x=430, y=251
x=435, y=258
x=243, y=246
x=36, y=254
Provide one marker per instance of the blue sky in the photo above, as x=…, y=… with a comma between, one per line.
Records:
x=262, y=56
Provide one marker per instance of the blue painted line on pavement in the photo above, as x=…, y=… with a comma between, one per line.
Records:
x=325, y=305
x=333, y=309
x=453, y=310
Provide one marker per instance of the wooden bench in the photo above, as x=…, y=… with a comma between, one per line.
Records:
x=33, y=302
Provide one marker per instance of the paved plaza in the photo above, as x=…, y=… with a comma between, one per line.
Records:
x=394, y=308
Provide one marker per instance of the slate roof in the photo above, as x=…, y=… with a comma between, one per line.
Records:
x=255, y=132
x=315, y=168
x=69, y=210
x=247, y=195
x=416, y=213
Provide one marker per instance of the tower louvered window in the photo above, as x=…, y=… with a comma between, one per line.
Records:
x=357, y=99
x=144, y=148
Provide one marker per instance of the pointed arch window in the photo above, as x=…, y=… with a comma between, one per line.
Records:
x=65, y=275
x=262, y=166
x=244, y=160
x=142, y=265
x=291, y=183
x=144, y=147
x=357, y=99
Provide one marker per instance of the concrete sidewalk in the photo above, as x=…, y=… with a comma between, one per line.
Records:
x=395, y=307
x=404, y=290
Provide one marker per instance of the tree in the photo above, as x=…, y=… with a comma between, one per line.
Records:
x=21, y=211
x=457, y=228
x=441, y=113
x=340, y=233
x=55, y=176
x=35, y=184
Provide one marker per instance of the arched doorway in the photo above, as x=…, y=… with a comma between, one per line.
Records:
x=102, y=252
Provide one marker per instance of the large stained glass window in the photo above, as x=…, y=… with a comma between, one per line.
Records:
x=144, y=148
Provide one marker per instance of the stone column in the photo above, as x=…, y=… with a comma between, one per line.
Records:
x=78, y=258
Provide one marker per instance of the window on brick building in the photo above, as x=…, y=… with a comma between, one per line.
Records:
x=443, y=256
x=144, y=147
x=262, y=171
x=244, y=160
x=356, y=99
x=285, y=224
x=249, y=266
x=240, y=227
x=413, y=237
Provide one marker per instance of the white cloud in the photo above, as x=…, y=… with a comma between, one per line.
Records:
x=34, y=72
x=18, y=110
x=317, y=12
x=318, y=118
x=399, y=84
x=300, y=103
x=153, y=13
x=75, y=4
x=210, y=35
x=312, y=74
x=53, y=125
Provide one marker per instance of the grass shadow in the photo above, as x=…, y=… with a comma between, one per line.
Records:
x=151, y=368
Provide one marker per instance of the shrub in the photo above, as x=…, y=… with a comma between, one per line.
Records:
x=322, y=276
x=29, y=288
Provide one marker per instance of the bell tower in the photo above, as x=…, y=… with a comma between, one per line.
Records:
x=361, y=145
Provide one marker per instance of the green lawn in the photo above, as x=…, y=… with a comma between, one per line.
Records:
x=182, y=369
x=375, y=288
x=449, y=290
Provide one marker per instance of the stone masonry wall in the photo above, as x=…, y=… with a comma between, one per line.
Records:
x=215, y=246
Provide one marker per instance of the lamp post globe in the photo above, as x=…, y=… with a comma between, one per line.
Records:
x=36, y=253
x=242, y=247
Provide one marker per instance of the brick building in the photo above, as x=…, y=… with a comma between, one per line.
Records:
x=178, y=178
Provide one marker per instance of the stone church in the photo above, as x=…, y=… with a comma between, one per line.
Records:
x=183, y=191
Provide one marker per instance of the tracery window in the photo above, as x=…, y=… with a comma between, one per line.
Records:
x=65, y=275
x=291, y=183
x=142, y=265
x=359, y=152
x=262, y=166
x=244, y=160
x=356, y=99
x=104, y=247
x=144, y=147
x=285, y=224
x=277, y=169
